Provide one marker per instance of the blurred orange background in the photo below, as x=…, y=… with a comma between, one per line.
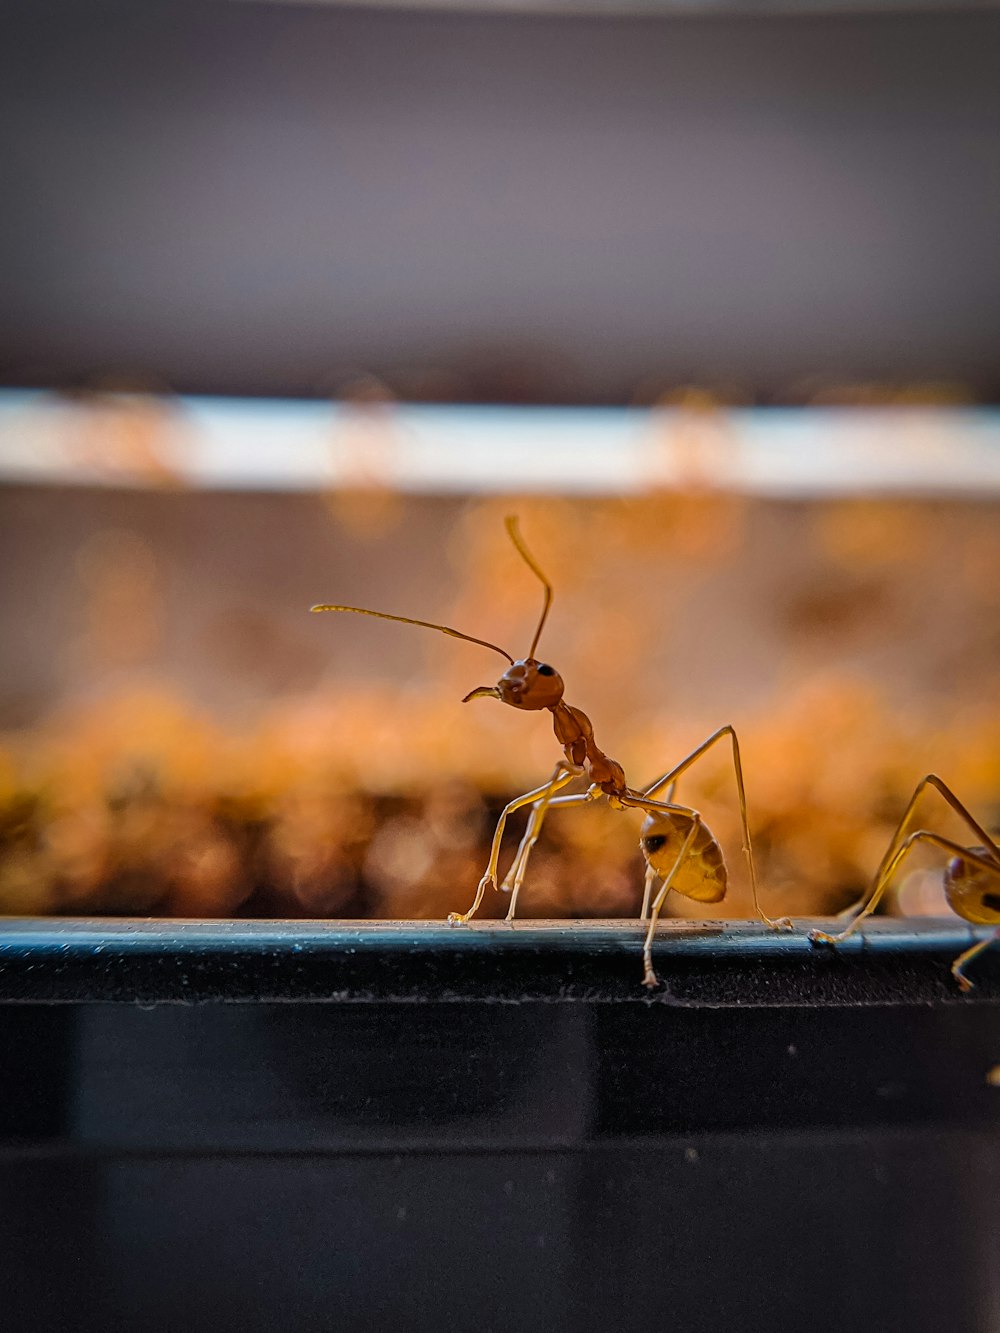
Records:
x=181, y=737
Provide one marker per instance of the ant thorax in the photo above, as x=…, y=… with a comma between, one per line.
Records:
x=973, y=889
x=702, y=875
x=575, y=733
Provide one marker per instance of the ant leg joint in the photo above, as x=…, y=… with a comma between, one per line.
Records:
x=460, y=918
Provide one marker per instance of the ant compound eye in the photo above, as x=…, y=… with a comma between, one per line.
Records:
x=654, y=842
x=545, y=670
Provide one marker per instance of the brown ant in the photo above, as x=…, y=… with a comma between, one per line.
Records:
x=971, y=877
x=678, y=847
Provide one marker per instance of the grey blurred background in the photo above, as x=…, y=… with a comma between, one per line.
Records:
x=268, y=199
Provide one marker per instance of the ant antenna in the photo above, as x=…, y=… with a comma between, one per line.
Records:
x=427, y=624
x=510, y=523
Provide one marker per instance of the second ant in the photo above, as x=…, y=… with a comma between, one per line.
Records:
x=971, y=876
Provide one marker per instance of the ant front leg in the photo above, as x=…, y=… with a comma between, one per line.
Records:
x=562, y=774
x=672, y=775
x=515, y=875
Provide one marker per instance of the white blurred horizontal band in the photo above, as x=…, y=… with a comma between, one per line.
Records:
x=264, y=444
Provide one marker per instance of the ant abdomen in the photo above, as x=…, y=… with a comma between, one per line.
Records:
x=702, y=875
x=973, y=891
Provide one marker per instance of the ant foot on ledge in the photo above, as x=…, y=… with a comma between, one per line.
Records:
x=821, y=937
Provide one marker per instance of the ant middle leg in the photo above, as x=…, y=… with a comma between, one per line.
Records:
x=515, y=875
x=671, y=776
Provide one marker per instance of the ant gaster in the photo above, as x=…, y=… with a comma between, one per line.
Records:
x=678, y=847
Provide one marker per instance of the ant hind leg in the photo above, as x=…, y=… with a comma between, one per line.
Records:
x=959, y=965
x=649, y=978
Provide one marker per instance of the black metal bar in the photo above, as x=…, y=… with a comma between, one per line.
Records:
x=501, y=1129
x=700, y=963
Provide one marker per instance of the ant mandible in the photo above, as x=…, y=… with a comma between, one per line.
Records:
x=677, y=845
x=971, y=877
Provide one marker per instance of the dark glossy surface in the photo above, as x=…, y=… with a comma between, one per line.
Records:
x=452, y=1150
x=700, y=963
x=827, y=1232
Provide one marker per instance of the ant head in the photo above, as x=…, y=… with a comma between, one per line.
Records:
x=525, y=684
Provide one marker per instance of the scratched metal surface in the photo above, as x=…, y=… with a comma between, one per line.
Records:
x=704, y=963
